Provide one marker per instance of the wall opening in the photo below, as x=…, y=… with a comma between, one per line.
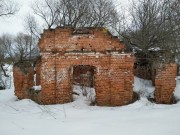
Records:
x=83, y=75
x=83, y=82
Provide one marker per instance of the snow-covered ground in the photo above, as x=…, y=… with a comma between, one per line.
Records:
x=24, y=117
x=144, y=87
x=177, y=89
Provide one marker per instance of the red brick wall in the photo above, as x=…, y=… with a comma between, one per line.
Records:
x=23, y=81
x=63, y=39
x=61, y=49
x=113, y=79
x=165, y=83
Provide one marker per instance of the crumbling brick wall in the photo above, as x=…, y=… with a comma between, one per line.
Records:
x=113, y=79
x=165, y=83
x=68, y=39
x=23, y=73
x=63, y=48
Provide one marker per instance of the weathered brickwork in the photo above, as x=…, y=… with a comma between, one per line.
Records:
x=23, y=79
x=68, y=39
x=63, y=48
x=165, y=83
x=113, y=77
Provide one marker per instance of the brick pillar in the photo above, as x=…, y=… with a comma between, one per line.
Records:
x=165, y=83
x=23, y=79
x=121, y=80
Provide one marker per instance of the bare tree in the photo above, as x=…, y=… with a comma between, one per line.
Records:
x=154, y=27
x=75, y=13
x=17, y=48
x=103, y=12
x=8, y=8
x=119, y=24
x=24, y=47
x=175, y=13
x=31, y=26
x=6, y=52
x=3, y=60
x=47, y=10
x=72, y=13
x=33, y=30
x=8, y=48
x=2, y=56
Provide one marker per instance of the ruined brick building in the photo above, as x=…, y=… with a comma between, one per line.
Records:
x=65, y=51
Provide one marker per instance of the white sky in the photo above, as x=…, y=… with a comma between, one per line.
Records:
x=15, y=24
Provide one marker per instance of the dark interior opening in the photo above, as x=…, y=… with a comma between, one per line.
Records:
x=83, y=75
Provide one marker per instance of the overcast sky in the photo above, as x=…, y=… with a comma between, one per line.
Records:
x=15, y=24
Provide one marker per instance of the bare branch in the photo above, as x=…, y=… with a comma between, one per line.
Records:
x=8, y=8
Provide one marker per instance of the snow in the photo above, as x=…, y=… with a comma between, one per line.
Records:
x=144, y=87
x=177, y=89
x=20, y=117
x=25, y=117
x=6, y=81
x=37, y=87
x=154, y=49
x=83, y=93
x=35, y=78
